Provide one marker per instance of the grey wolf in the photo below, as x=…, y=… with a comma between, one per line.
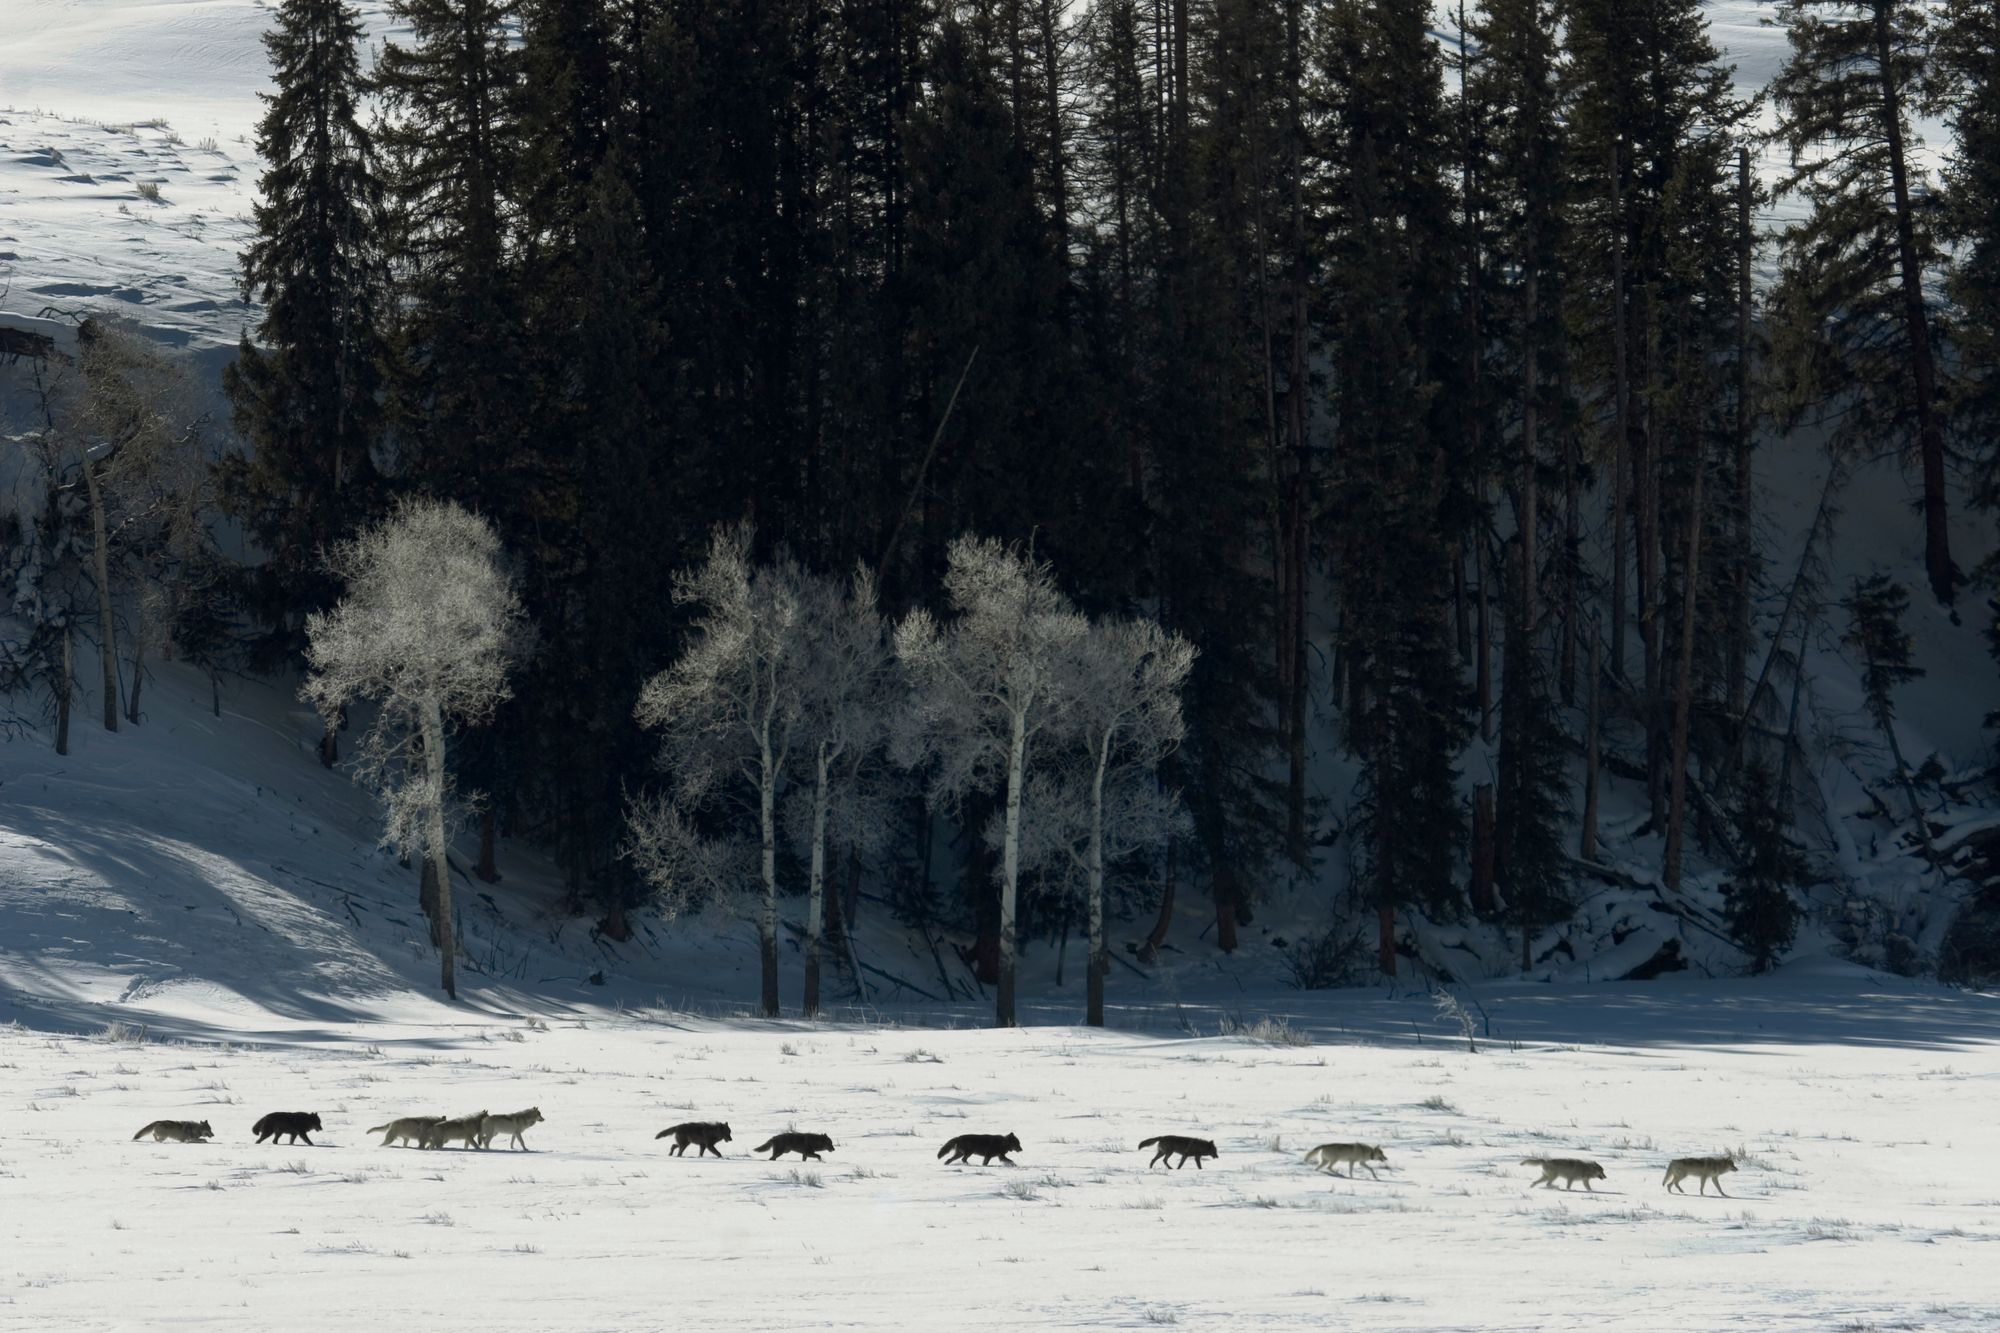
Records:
x=1569, y=1170
x=805, y=1145
x=410, y=1127
x=1329, y=1155
x=1707, y=1168
x=705, y=1133
x=293, y=1123
x=178, y=1131
x=493, y=1126
x=986, y=1147
x=1179, y=1145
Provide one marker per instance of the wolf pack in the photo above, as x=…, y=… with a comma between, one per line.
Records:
x=482, y=1129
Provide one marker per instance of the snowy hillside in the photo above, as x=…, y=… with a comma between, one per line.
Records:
x=99, y=98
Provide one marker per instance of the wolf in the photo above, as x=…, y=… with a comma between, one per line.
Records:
x=294, y=1123
x=1329, y=1155
x=465, y=1129
x=985, y=1147
x=705, y=1133
x=1709, y=1169
x=493, y=1126
x=410, y=1128
x=176, y=1131
x=1568, y=1170
x=807, y=1146
x=1179, y=1145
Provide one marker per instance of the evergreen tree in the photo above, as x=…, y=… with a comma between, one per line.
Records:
x=451, y=134
x=1523, y=179
x=1969, y=53
x=308, y=389
x=1856, y=323
x=1394, y=328
x=1758, y=903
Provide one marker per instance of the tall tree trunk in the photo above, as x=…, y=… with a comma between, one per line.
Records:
x=1916, y=320
x=1684, y=685
x=1164, y=918
x=767, y=828
x=434, y=846
x=1744, y=536
x=138, y=664
x=65, y=688
x=487, y=871
x=1010, y=870
x=1482, y=650
x=100, y=564
x=1621, y=398
x=1480, y=888
x=1530, y=519
x=1645, y=469
x=1385, y=939
x=1588, y=846
x=816, y=886
x=1093, y=1005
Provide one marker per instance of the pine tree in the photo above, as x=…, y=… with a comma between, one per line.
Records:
x=1523, y=180
x=450, y=133
x=1861, y=262
x=1969, y=53
x=308, y=390
x=1758, y=903
x=1394, y=328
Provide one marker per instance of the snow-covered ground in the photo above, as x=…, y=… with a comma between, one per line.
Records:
x=1866, y=1195
x=194, y=925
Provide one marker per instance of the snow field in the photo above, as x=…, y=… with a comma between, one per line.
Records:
x=1866, y=1195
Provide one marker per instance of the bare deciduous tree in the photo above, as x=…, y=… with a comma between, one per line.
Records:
x=989, y=686
x=728, y=709
x=1100, y=800
x=428, y=629
x=846, y=685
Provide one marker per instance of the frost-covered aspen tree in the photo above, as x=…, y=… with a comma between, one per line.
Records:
x=427, y=629
x=1125, y=710
x=729, y=708
x=846, y=686
x=987, y=687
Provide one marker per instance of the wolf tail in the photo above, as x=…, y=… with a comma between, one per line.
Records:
x=378, y=1129
x=949, y=1147
x=1147, y=1143
x=1531, y=1161
x=670, y=1129
x=144, y=1132
x=765, y=1146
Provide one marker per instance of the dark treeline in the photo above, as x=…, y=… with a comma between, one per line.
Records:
x=1414, y=380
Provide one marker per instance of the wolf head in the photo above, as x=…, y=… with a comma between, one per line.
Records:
x=1208, y=1147
x=533, y=1115
x=1727, y=1164
x=1596, y=1172
x=313, y=1120
x=724, y=1137
x=1377, y=1155
x=823, y=1142
x=1013, y=1144
x=205, y=1132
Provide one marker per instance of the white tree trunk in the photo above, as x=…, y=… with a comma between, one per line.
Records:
x=767, y=925
x=100, y=560
x=1096, y=963
x=433, y=732
x=1010, y=869
x=816, y=887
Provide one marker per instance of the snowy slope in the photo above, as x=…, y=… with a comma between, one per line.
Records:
x=225, y=821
